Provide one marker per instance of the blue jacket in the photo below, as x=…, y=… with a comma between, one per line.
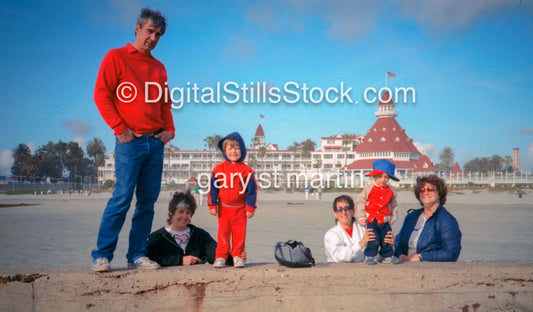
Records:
x=440, y=239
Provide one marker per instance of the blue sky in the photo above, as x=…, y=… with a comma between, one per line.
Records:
x=470, y=63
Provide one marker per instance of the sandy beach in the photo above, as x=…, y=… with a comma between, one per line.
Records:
x=60, y=231
x=49, y=239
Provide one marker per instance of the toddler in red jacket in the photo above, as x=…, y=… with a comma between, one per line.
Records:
x=232, y=198
x=377, y=209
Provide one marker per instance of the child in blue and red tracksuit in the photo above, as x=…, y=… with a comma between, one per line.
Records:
x=377, y=209
x=232, y=197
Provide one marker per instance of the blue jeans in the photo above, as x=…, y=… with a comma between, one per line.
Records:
x=138, y=167
x=381, y=231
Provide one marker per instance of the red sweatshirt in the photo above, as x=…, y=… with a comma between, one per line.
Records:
x=128, y=65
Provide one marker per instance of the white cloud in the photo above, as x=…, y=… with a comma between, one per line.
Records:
x=82, y=142
x=351, y=19
x=76, y=126
x=530, y=152
x=6, y=161
x=240, y=49
x=127, y=11
x=426, y=149
x=31, y=145
x=122, y=13
x=345, y=19
x=449, y=14
x=522, y=132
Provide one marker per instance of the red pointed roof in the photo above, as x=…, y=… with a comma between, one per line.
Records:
x=386, y=99
x=457, y=170
x=259, y=132
x=423, y=164
x=386, y=135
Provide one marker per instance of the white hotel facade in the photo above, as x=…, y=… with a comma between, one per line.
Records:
x=337, y=162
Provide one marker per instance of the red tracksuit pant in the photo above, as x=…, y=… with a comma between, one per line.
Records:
x=231, y=226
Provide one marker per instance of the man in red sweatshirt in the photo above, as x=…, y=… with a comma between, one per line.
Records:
x=142, y=127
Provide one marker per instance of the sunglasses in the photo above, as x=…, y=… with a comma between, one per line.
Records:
x=428, y=190
x=341, y=209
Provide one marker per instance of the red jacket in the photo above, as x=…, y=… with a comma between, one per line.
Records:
x=233, y=184
x=376, y=202
x=128, y=65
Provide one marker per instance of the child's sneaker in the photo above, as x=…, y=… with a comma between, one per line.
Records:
x=238, y=262
x=395, y=260
x=143, y=263
x=220, y=263
x=101, y=265
x=370, y=260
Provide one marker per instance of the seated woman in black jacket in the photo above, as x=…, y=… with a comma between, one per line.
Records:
x=182, y=243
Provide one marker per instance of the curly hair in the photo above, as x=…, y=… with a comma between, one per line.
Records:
x=435, y=181
x=177, y=198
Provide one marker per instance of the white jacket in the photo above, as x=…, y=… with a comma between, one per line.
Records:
x=342, y=248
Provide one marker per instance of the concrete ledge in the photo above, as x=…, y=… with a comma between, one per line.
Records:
x=462, y=286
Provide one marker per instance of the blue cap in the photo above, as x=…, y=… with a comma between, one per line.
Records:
x=383, y=166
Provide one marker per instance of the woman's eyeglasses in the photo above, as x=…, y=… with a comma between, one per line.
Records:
x=341, y=209
x=427, y=189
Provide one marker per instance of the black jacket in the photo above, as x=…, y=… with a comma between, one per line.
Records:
x=163, y=249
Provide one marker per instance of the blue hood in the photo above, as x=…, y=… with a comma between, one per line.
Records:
x=236, y=136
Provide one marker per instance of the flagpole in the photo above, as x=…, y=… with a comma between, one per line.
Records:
x=386, y=79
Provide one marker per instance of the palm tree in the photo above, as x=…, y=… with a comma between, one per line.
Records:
x=294, y=147
x=347, y=142
x=308, y=145
x=96, y=150
x=169, y=152
x=318, y=164
x=209, y=142
x=216, y=139
x=306, y=155
x=21, y=155
x=262, y=152
x=447, y=155
x=255, y=141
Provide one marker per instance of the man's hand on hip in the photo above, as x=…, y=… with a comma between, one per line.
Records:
x=127, y=136
x=165, y=136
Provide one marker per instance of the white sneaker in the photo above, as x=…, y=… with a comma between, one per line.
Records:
x=143, y=263
x=219, y=263
x=238, y=262
x=101, y=265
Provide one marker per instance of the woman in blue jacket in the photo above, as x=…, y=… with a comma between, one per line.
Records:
x=430, y=233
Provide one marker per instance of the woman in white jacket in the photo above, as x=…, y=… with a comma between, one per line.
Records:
x=346, y=241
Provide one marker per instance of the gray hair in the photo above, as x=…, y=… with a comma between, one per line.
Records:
x=158, y=20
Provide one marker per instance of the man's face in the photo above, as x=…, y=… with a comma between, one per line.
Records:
x=147, y=37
